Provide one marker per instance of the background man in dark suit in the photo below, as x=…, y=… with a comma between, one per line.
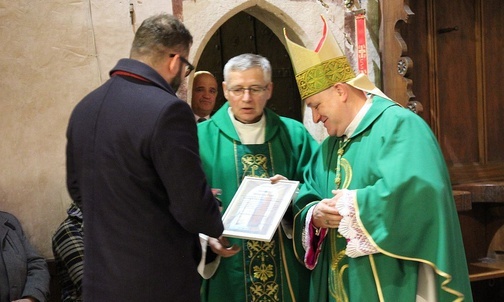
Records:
x=132, y=160
x=204, y=95
x=24, y=276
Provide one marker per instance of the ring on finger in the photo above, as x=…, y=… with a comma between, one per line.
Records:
x=327, y=222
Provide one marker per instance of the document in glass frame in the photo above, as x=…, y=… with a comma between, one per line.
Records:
x=257, y=208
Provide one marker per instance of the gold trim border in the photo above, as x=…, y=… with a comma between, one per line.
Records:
x=444, y=284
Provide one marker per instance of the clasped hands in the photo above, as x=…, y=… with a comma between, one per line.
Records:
x=325, y=214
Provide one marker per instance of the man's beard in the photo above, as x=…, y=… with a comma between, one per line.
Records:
x=177, y=80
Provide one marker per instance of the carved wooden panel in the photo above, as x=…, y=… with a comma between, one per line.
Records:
x=396, y=66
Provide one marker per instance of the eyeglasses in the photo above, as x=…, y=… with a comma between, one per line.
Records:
x=253, y=90
x=190, y=66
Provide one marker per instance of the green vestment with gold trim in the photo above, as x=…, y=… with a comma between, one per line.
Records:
x=261, y=271
x=404, y=204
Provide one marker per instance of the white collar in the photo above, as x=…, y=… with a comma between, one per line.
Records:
x=349, y=131
x=249, y=133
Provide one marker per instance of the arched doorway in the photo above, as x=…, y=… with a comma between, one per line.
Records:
x=253, y=37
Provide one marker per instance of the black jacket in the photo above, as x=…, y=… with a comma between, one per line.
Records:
x=133, y=161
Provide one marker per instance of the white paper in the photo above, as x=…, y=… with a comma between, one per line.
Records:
x=257, y=208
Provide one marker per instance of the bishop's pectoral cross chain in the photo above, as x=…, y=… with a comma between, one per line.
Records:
x=341, y=149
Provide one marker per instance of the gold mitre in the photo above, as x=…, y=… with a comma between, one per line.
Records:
x=316, y=70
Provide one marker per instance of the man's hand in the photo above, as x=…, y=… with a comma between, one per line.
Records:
x=325, y=214
x=277, y=178
x=222, y=247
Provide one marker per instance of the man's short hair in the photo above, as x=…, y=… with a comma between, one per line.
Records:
x=158, y=35
x=247, y=61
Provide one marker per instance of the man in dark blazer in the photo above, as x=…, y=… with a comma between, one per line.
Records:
x=133, y=162
x=24, y=275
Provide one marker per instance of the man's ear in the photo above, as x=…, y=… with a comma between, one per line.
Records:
x=173, y=64
x=167, y=68
x=270, y=90
x=341, y=89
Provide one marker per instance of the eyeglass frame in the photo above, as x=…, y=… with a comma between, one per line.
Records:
x=253, y=90
x=190, y=67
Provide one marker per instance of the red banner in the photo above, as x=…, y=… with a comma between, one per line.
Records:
x=360, y=26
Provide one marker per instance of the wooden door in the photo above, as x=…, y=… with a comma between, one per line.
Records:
x=456, y=47
x=492, y=33
x=457, y=80
x=245, y=34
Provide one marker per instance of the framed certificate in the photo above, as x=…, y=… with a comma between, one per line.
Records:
x=257, y=208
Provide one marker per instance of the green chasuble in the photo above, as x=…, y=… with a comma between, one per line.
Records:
x=261, y=271
x=404, y=205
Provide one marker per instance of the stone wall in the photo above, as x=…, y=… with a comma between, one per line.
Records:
x=54, y=52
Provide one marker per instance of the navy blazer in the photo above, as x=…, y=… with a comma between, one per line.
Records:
x=26, y=270
x=133, y=161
